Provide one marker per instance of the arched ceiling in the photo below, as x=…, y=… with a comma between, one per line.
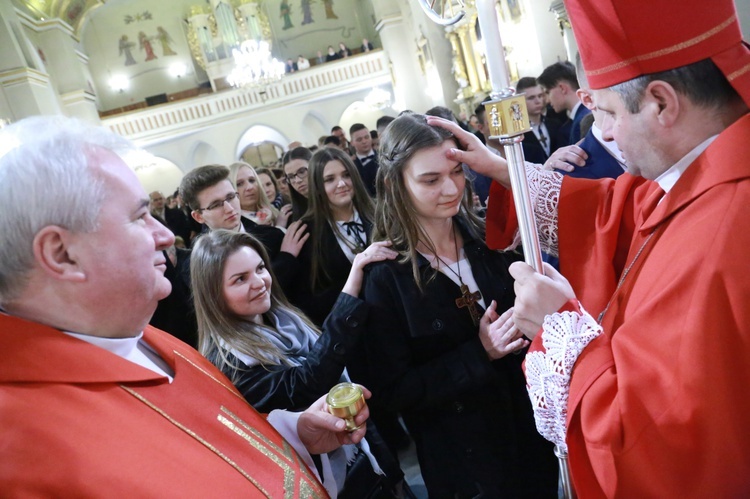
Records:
x=73, y=12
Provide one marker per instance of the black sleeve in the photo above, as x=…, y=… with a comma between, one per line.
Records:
x=296, y=387
x=397, y=380
x=286, y=268
x=271, y=237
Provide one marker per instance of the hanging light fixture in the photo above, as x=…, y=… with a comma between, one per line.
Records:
x=378, y=98
x=254, y=66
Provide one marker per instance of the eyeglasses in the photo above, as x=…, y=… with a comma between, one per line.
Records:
x=299, y=176
x=220, y=203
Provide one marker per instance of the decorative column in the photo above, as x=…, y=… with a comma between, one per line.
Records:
x=24, y=84
x=480, y=61
x=68, y=69
x=563, y=21
x=469, y=57
x=397, y=38
x=437, y=52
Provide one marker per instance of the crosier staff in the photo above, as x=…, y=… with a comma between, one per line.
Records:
x=508, y=121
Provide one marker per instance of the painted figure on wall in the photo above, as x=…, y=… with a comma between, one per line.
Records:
x=74, y=11
x=286, y=13
x=164, y=40
x=126, y=48
x=330, y=14
x=145, y=43
x=306, y=12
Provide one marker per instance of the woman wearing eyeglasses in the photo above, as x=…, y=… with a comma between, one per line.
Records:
x=295, y=165
x=339, y=221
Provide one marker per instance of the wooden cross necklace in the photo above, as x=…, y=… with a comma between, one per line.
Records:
x=467, y=299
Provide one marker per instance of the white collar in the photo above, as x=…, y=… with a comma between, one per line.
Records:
x=669, y=178
x=354, y=218
x=122, y=347
x=132, y=349
x=363, y=156
x=572, y=112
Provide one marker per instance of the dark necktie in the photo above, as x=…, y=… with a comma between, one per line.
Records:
x=356, y=230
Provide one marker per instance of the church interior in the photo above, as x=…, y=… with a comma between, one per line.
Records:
x=159, y=72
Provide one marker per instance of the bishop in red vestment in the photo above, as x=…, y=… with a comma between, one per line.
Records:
x=639, y=360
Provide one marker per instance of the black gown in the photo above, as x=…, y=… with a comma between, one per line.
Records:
x=470, y=417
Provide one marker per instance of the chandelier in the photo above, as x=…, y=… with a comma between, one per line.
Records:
x=254, y=66
x=378, y=98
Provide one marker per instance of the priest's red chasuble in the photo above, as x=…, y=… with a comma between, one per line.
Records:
x=77, y=420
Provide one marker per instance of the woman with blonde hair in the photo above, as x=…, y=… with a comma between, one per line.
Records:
x=436, y=349
x=253, y=201
x=276, y=357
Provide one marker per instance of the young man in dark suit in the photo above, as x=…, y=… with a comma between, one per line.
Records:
x=542, y=141
x=560, y=82
x=366, y=158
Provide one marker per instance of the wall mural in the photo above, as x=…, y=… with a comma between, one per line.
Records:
x=293, y=26
x=126, y=48
x=286, y=12
x=141, y=16
x=330, y=14
x=144, y=44
x=74, y=12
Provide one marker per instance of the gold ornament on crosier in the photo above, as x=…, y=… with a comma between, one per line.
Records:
x=507, y=117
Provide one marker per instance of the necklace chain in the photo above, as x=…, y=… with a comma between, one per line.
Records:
x=467, y=299
x=625, y=274
x=458, y=257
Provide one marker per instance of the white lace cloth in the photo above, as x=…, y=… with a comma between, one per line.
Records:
x=544, y=189
x=564, y=336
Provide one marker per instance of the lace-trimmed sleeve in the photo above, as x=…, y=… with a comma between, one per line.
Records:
x=564, y=336
x=544, y=188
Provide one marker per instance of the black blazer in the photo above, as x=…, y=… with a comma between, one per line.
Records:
x=532, y=148
x=175, y=314
x=285, y=265
x=368, y=172
x=178, y=222
x=421, y=355
x=318, y=303
x=269, y=387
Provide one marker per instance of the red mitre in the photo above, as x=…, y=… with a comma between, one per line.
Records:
x=622, y=39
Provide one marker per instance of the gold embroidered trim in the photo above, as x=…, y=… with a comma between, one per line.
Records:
x=665, y=51
x=736, y=74
x=287, y=452
x=232, y=390
x=198, y=438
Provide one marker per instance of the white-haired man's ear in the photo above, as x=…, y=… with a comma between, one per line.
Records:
x=55, y=253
